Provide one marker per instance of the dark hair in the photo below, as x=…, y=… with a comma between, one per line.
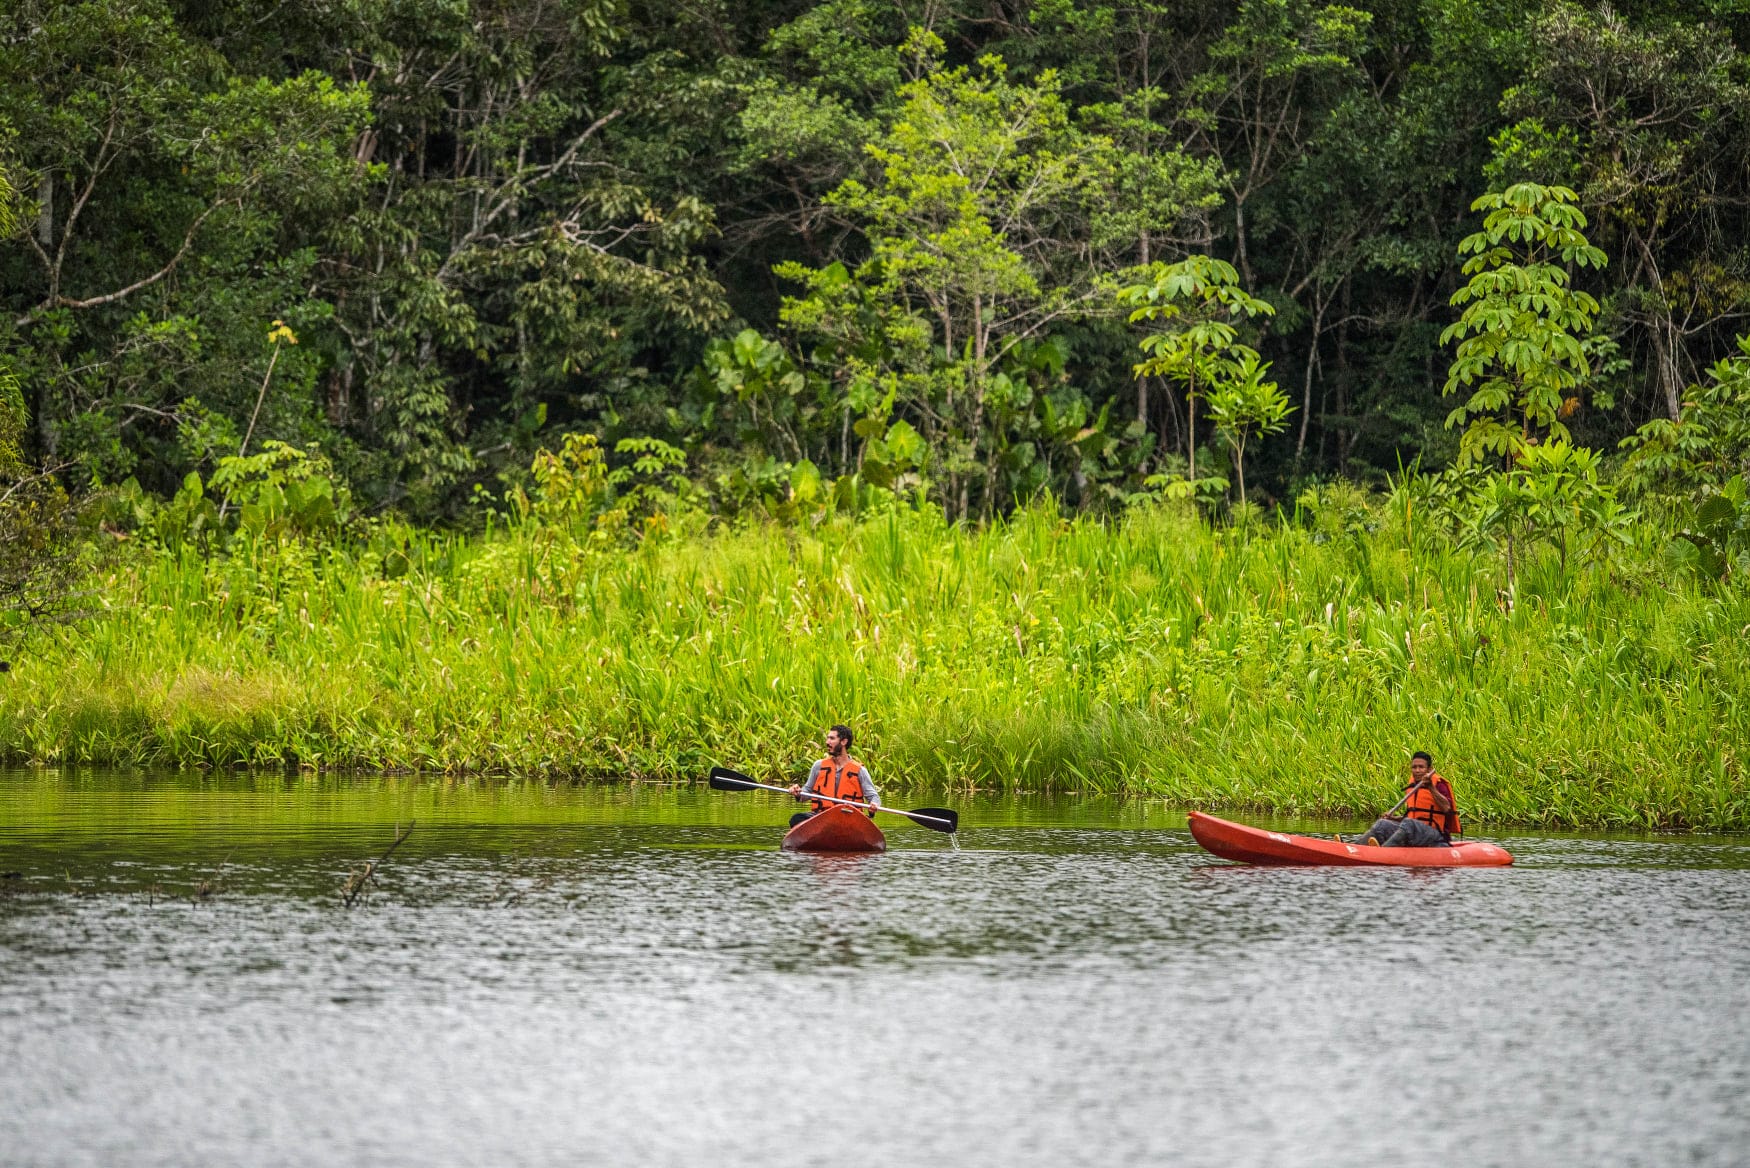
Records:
x=845, y=735
x=1424, y=756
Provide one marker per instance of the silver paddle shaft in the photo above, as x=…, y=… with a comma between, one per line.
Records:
x=854, y=803
x=1406, y=798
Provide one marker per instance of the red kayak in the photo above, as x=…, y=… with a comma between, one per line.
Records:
x=1254, y=845
x=837, y=829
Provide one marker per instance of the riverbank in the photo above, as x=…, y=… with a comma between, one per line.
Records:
x=1275, y=668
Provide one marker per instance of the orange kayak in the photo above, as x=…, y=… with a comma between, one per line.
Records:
x=837, y=829
x=1254, y=845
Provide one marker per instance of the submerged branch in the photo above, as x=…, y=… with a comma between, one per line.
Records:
x=365, y=874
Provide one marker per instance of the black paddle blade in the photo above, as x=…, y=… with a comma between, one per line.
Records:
x=724, y=779
x=950, y=820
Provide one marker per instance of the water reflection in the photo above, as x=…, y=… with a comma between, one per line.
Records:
x=637, y=975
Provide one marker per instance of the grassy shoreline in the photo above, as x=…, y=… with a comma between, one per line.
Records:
x=1272, y=669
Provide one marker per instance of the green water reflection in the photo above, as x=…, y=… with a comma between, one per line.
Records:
x=50, y=817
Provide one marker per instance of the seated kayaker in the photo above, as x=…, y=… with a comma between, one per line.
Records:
x=837, y=776
x=1430, y=817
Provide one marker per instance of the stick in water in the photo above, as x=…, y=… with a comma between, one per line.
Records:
x=360, y=878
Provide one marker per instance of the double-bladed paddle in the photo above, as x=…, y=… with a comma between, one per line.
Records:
x=934, y=818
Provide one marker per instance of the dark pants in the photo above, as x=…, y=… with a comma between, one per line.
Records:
x=1404, y=833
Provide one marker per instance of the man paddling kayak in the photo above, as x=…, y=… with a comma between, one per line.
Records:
x=837, y=776
x=1430, y=818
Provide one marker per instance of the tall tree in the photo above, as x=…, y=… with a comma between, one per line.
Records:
x=510, y=254
x=1198, y=304
x=1270, y=74
x=171, y=203
x=1519, y=354
x=983, y=229
x=1651, y=125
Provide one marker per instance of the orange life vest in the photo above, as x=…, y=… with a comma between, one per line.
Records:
x=1421, y=805
x=839, y=779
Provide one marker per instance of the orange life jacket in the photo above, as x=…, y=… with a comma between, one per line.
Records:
x=1421, y=805
x=839, y=779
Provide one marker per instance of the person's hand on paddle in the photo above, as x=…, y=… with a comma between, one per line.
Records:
x=942, y=819
x=1415, y=785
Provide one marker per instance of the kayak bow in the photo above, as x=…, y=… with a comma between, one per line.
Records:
x=837, y=829
x=1254, y=845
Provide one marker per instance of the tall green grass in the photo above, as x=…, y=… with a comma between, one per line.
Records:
x=1264, y=668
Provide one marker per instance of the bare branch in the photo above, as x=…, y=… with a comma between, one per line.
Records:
x=120, y=293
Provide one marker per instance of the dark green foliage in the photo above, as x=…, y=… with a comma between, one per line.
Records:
x=493, y=222
x=44, y=548
x=1717, y=544
x=1709, y=441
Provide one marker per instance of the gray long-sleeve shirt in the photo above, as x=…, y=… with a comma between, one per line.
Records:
x=869, y=793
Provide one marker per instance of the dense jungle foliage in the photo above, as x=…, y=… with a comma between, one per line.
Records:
x=783, y=245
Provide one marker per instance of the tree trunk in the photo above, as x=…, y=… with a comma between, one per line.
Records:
x=980, y=346
x=45, y=430
x=1666, y=344
x=1191, y=427
x=1345, y=442
x=1170, y=418
x=340, y=395
x=845, y=443
x=1240, y=243
x=45, y=211
x=1312, y=361
x=1665, y=349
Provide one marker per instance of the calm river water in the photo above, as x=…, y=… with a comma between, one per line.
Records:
x=636, y=976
